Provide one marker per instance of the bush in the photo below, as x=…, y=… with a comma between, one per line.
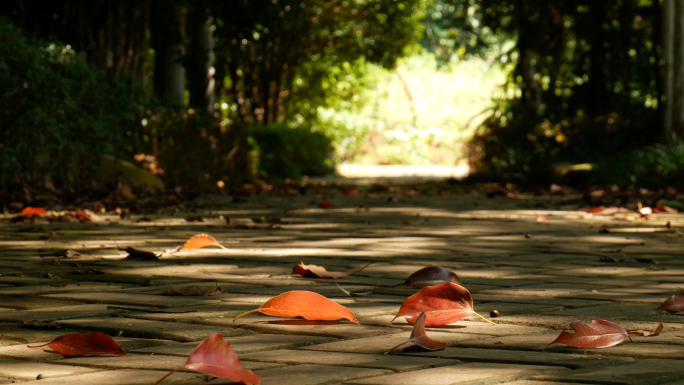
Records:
x=58, y=115
x=285, y=152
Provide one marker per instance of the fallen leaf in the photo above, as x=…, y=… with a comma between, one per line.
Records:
x=140, y=254
x=600, y=334
x=71, y=345
x=420, y=338
x=42, y=324
x=306, y=304
x=81, y=216
x=351, y=191
x=62, y=253
x=196, y=290
x=325, y=204
x=314, y=271
x=194, y=218
x=673, y=304
x=443, y=304
x=215, y=357
x=33, y=211
x=431, y=276
x=357, y=294
x=201, y=240
x=648, y=333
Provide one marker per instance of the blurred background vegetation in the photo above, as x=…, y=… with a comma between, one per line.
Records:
x=220, y=93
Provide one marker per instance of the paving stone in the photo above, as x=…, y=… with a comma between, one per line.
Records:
x=242, y=344
x=56, y=313
x=60, y=288
x=130, y=327
x=638, y=350
x=477, y=373
x=341, y=329
x=315, y=374
x=547, y=290
x=569, y=360
x=146, y=361
x=135, y=299
x=383, y=343
x=643, y=372
x=119, y=377
x=29, y=370
x=23, y=303
x=392, y=362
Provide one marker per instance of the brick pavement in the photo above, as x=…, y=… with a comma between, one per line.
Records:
x=540, y=276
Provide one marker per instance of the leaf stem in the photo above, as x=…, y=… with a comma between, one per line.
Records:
x=251, y=311
x=168, y=374
x=486, y=320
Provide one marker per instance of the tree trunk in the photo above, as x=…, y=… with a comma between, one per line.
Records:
x=168, y=41
x=199, y=61
x=673, y=33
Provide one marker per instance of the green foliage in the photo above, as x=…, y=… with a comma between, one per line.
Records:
x=277, y=54
x=584, y=84
x=57, y=114
x=285, y=152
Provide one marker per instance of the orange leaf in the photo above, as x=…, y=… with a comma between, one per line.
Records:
x=215, y=357
x=71, y=345
x=305, y=304
x=201, y=240
x=325, y=204
x=600, y=334
x=33, y=211
x=420, y=338
x=443, y=304
x=673, y=304
x=81, y=216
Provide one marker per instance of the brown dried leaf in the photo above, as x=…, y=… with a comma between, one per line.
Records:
x=647, y=333
x=420, y=338
x=140, y=254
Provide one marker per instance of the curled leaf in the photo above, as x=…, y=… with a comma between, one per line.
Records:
x=673, y=304
x=195, y=290
x=71, y=345
x=431, y=276
x=420, y=338
x=215, y=357
x=306, y=304
x=648, y=333
x=140, y=254
x=600, y=334
x=314, y=271
x=201, y=240
x=443, y=304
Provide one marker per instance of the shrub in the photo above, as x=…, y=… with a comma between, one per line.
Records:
x=58, y=115
x=285, y=152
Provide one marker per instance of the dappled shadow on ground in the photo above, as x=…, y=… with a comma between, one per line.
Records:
x=541, y=262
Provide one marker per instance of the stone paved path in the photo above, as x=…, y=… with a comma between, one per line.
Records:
x=540, y=262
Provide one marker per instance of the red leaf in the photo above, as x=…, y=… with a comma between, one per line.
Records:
x=313, y=271
x=201, y=240
x=325, y=204
x=351, y=191
x=420, y=338
x=673, y=304
x=306, y=304
x=431, y=276
x=81, y=216
x=443, y=304
x=33, y=211
x=71, y=345
x=215, y=357
x=600, y=334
